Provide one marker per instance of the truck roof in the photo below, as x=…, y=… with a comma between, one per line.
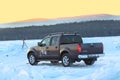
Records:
x=62, y=33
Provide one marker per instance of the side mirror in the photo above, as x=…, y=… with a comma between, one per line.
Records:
x=39, y=43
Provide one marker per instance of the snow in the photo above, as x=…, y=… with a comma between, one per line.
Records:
x=14, y=64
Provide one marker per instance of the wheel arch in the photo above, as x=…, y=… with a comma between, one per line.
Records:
x=29, y=53
x=32, y=51
x=64, y=52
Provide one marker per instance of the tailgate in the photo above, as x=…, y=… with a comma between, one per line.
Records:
x=92, y=48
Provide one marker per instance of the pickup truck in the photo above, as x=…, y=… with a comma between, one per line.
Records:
x=67, y=48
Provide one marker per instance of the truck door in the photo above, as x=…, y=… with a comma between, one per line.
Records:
x=54, y=47
x=45, y=44
x=50, y=47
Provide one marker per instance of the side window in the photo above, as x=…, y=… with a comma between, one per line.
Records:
x=46, y=41
x=69, y=39
x=55, y=40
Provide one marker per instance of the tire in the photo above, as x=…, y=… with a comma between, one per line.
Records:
x=54, y=62
x=89, y=61
x=32, y=59
x=66, y=60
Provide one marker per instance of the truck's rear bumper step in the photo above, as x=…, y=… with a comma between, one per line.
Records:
x=89, y=56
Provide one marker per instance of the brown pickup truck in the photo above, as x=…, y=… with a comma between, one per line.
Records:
x=67, y=48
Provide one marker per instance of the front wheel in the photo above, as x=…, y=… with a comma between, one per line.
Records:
x=89, y=61
x=32, y=59
x=66, y=60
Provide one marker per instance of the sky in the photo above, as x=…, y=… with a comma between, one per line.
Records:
x=17, y=10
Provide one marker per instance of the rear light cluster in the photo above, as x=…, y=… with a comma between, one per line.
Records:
x=79, y=48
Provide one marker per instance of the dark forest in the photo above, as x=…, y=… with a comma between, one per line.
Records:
x=85, y=29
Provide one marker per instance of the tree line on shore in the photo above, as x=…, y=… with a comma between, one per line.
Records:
x=85, y=29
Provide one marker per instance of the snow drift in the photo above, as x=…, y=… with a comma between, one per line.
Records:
x=14, y=64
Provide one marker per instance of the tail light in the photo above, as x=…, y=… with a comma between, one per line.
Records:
x=79, y=48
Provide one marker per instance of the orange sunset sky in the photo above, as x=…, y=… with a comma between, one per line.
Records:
x=18, y=10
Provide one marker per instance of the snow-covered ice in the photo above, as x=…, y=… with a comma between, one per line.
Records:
x=14, y=64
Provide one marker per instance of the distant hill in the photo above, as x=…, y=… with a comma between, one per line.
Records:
x=33, y=20
x=44, y=21
x=94, y=28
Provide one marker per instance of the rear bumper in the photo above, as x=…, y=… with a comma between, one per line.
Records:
x=90, y=56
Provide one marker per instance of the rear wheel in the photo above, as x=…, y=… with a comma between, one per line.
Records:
x=89, y=61
x=66, y=60
x=32, y=59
